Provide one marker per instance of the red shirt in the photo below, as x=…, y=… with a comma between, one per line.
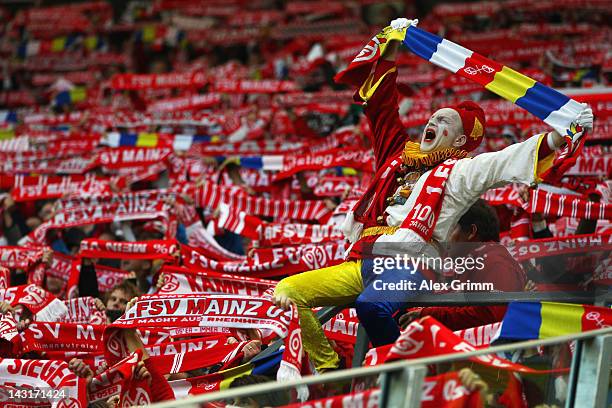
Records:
x=500, y=269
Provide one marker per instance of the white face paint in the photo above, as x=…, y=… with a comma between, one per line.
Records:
x=443, y=130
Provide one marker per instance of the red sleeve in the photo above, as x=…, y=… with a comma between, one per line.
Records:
x=160, y=389
x=504, y=272
x=389, y=136
x=544, y=149
x=464, y=317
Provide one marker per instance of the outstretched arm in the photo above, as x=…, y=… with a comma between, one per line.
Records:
x=522, y=163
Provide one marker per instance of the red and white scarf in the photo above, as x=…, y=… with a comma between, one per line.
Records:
x=47, y=375
x=182, y=280
x=153, y=249
x=114, y=380
x=118, y=157
x=19, y=257
x=270, y=262
x=83, y=310
x=42, y=304
x=232, y=311
x=209, y=195
x=428, y=337
x=158, y=81
x=98, y=214
x=424, y=215
x=48, y=336
x=356, y=159
x=554, y=246
x=271, y=234
x=441, y=391
x=562, y=205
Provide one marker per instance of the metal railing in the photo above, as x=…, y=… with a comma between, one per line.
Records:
x=401, y=381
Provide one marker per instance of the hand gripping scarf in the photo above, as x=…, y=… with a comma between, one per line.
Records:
x=231, y=311
x=96, y=248
x=115, y=380
x=42, y=304
x=554, y=108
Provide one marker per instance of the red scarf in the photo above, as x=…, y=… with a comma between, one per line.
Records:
x=153, y=249
x=96, y=248
x=357, y=159
x=114, y=380
x=19, y=257
x=47, y=375
x=561, y=205
x=427, y=337
x=269, y=262
x=98, y=214
x=271, y=234
x=211, y=310
x=43, y=305
x=441, y=391
x=209, y=195
x=118, y=157
x=157, y=81
x=424, y=215
x=83, y=310
x=182, y=280
x=42, y=336
x=554, y=246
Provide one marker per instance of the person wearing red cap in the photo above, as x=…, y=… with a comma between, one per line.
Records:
x=418, y=193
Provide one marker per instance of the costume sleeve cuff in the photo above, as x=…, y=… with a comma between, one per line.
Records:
x=542, y=164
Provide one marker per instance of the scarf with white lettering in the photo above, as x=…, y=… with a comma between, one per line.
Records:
x=83, y=310
x=182, y=280
x=48, y=376
x=119, y=157
x=116, y=380
x=186, y=355
x=271, y=234
x=66, y=185
x=61, y=268
x=19, y=257
x=5, y=277
x=291, y=164
x=231, y=311
x=153, y=249
x=98, y=214
x=55, y=336
x=42, y=304
x=96, y=248
x=419, y=223
x=131, y=201
x=554, y=246
x=270, y=262
x=158, y=81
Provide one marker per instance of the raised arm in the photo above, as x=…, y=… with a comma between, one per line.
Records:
x=380, y=98
x=522, y=163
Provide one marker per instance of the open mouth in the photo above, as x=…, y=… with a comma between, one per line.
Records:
x=430, y=135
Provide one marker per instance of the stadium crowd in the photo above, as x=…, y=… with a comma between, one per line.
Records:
x=184, y=184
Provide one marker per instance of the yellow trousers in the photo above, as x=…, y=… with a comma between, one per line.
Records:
x=332, y=286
